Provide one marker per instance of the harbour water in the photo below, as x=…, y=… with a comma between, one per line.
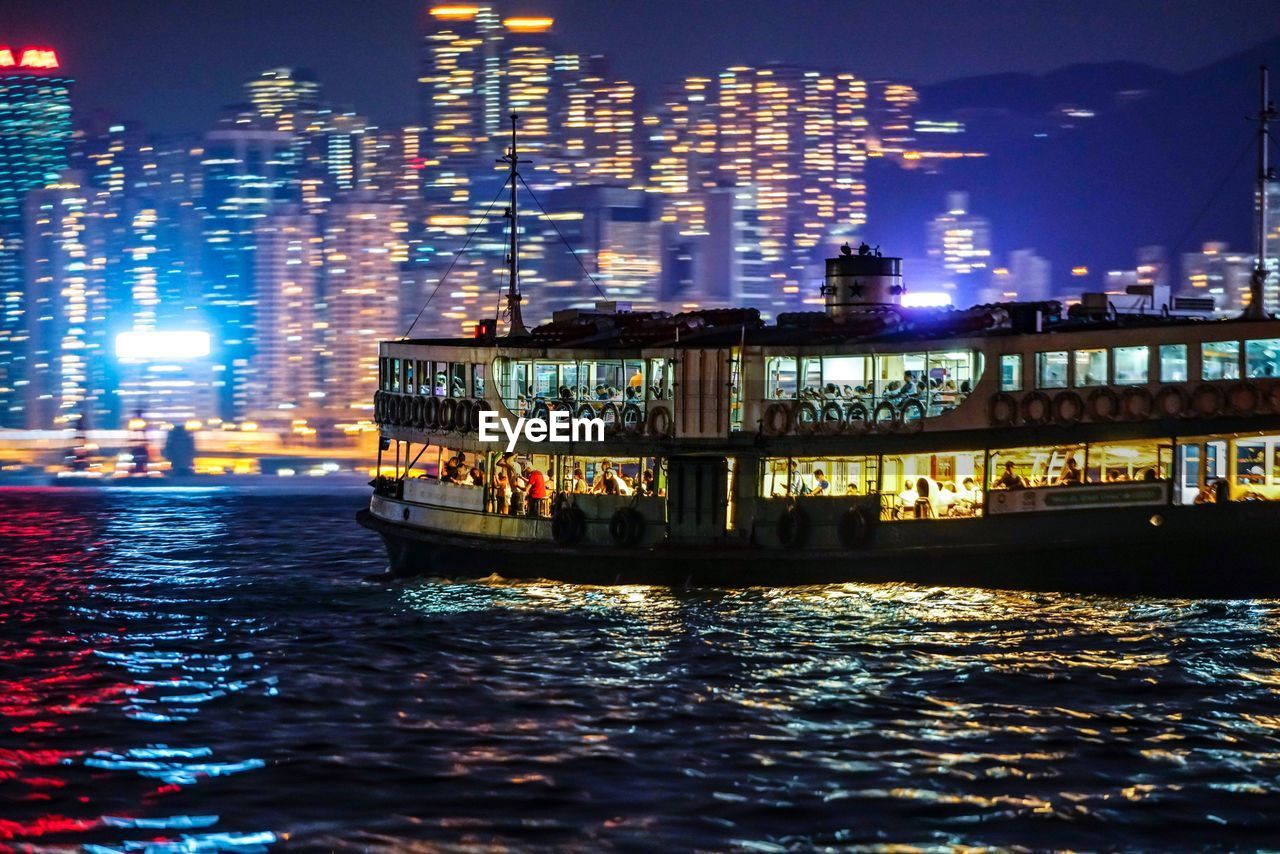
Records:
x=212, y=669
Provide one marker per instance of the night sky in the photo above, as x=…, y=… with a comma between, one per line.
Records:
x=172, y=64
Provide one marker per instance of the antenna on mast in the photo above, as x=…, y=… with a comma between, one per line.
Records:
x=1256, y=310
x=515, y=321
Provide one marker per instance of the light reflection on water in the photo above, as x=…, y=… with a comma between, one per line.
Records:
x=207, y=671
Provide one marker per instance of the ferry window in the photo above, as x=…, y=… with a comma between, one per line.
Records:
x=780, y=376
x=1262, y=357
x=932, y=486
x=1123, y=462
x=811, y=375
x=1173, y=363
x=949, y=379
x=1220, y=360
x=1051, y=369
x=634, y=371
x=439, y=376
x=841, y=476
x=659, y=379
x=545, y=379
x=477, y=381
x=901, y=375
x=458, y=379
x=1251, y=463
x=424, y=379
x=849, y=374
x=1131, y=365
x=395, y=374
x=409, y=376
x=382, y=374
x=571, y=386
x=1091, y=368
x=1018, y=468
x=1011, y=372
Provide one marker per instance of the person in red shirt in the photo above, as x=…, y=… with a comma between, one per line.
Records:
x=537, y=496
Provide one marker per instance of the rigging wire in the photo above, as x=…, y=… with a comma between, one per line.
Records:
x=1213, y=197
x=566, y=243
x=449, y=269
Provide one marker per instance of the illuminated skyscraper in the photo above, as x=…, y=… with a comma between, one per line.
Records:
x=246, y=170
x=284, y=98
x=66, y=307
x=285, y=382
x=891, y=109
x=1220, y=274
x=364, y=248
x=958, y=244
x=35, y=131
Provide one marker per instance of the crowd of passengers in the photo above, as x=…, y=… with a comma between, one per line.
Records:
x=518, y=488
x=1071, y=475
x=920, y=498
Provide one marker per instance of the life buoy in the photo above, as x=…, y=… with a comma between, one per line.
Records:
x=567, y=525
x=378, y=414
x=777, y=420
x=1206, y=400
x=586, y=411
x=632, y=419
x=448, y=413
x=1068, y=408
x=855, y=418
x=805, y=417
x=832, y=418
x=612, y=417
x=853, y=529
x=1172, y=401
x=399, y=410
x=431, y=413
x=885, y=425
x=1136, y=404
x=909, y=422
x=419, y=407
x=1104, y=404
x=792, y=526
x=626, y=527
x=1243, y=398
x=478, y=408
x=659, y=421
x=462, y=418
x=1036, y=408
x=1002, y=409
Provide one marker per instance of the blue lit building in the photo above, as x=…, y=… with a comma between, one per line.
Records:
x=35, y=131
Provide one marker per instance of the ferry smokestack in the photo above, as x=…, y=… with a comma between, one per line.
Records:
x=860, y=279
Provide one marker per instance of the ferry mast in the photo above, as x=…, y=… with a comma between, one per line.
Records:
x=1266, y=114
x=516, y=327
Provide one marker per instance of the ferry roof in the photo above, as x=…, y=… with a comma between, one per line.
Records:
x=604, y=330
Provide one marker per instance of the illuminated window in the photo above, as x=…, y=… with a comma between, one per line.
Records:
x=780, y=374
x=1091, y=368
x=477, y=381
x=1262, y=357
x=1173, y=363
x=1011, y=372
x=1051, y=369
x=1220, y=360
x=1131, y=365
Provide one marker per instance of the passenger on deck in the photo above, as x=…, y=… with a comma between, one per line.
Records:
x=851, y=488
x=477, y=476
x=907, y=499
x=537, y=496
x=1010, y=479
x=947, y=499
x=821, y=486
x=924, y=505
x=501, y=492
x=578, y=483
x=647, y=486
x=452, y=472
x=969, y=494
x=1071, y=475
x=604, y=483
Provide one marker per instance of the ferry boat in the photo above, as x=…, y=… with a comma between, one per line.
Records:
x=1123, y=450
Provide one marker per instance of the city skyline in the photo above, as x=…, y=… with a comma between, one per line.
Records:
x=295, y=231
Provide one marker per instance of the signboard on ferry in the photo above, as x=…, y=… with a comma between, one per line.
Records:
x=1077, y=497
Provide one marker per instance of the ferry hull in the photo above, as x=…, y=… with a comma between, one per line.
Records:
x=1215, y=551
